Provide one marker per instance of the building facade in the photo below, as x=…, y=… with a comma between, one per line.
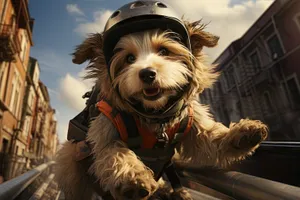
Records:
x=30, y=103
x=260, y=74
x=42, y=137
x=22, y=94
x=15, y=42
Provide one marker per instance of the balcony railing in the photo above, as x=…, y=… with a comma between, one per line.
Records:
x=9, y=43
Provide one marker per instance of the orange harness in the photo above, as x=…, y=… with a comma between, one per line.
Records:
x=148, y=138
x=140, y=140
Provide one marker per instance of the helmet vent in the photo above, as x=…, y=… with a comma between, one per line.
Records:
x=116, y=13
x=137, y=4
x=161, y=5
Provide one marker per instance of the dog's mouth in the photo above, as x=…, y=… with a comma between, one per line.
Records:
x=152, y=93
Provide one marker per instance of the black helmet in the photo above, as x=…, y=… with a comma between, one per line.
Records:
x=139, y=16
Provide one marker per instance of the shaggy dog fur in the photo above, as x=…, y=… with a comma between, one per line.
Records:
x=209, y=143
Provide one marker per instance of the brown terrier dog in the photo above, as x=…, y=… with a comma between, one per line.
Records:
x=117, y=168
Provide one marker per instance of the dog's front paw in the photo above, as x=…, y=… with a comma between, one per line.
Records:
x=139, y=187
x=181, y=194
x=248, y=134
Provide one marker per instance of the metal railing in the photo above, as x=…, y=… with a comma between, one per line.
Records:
x=227, y=183
x=7, y=31
x=18, y=186
x=238, y=185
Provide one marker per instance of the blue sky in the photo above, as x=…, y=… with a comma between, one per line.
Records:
x=60, y=25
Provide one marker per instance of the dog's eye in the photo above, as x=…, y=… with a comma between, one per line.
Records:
x=130, y=59
x=163, y=51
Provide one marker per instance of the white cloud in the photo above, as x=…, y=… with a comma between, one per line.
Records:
x=228, y=22
x=97, y=25
x=62, y=128
x=73, y=9
x=71, y=91
x=80, y=19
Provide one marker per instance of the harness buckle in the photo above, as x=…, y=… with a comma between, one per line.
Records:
x=162, y=137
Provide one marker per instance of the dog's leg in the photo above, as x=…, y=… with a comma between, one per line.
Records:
x=163, y=191
x=241, y=140
x=211, y=143
x=70, y=176
x=123, y=174
x=118, y=168
x=181, y=194
x=166, y=192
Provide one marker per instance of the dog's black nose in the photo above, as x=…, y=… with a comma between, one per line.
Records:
x=147, y=75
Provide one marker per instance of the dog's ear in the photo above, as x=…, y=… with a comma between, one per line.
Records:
x=204, y=74
x=89, y=49
x=200, y=38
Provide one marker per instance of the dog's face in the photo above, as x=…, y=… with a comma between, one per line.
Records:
x=150, y=67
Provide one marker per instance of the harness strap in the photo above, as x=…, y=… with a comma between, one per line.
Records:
x=190, y=122
x=134, y=135
x=184, y=128
x=115, y=117
x=172, y=175
x=137, y=137
x=134, y=140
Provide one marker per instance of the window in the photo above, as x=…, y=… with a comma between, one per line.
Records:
x=274, y=46
x=24, y=52
x=26, y=126
x=223, y=82
x=36, y=75
x=4, y=148
x=17, y=149
x=13, y=89
x=294, y=91
x=2, y=77
x=230, y=77
x=239, y=107
x=15, y=98
x=32, y=100
x=13, y=22
x=29, y=99
x=237, y=71
x=268, y=107
x=219, y=88
x=24, y=41
x=255, y=62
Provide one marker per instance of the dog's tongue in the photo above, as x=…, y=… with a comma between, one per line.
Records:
x=151, y=91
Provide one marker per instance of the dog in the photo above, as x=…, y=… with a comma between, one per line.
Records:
x=171, y=65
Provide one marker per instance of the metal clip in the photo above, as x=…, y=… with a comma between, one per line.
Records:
x=162, y=136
